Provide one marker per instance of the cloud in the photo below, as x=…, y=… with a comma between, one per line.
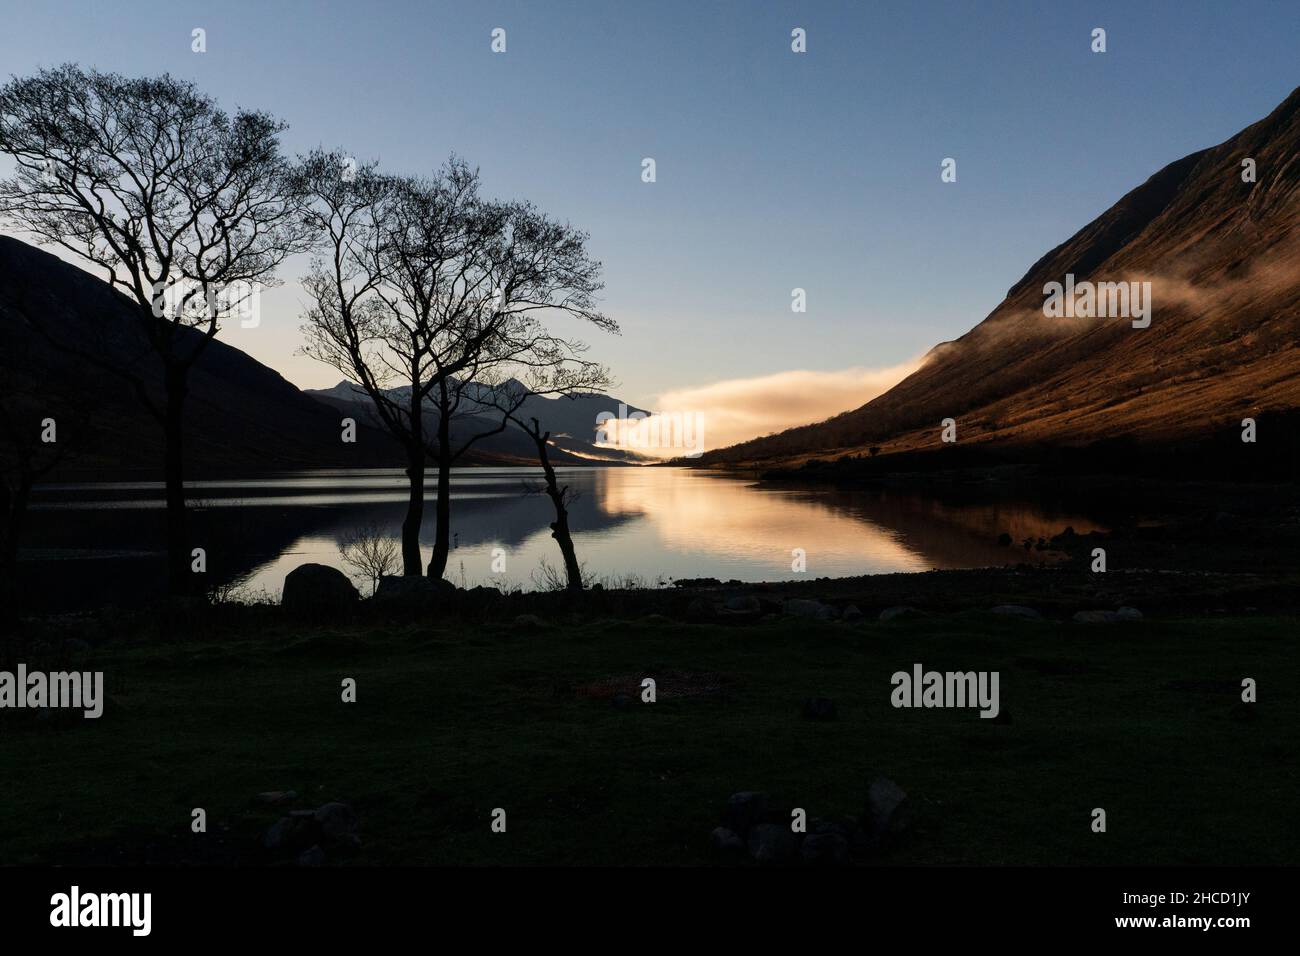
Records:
x=705, y=417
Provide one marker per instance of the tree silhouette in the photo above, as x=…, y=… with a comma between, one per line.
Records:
x=186, y=209
x=422, y=292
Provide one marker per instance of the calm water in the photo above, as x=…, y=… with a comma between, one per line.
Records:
x=658, y=524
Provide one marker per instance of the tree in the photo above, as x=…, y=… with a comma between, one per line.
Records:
x=186, y=209
x=370, y=552
x=569, y=377
x=423, y=290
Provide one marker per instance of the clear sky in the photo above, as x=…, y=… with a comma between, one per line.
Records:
x=775, y=170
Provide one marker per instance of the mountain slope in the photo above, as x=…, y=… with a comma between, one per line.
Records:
x=1223, y=259
x=240, y=415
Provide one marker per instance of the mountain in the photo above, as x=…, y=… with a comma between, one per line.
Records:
x=240, y=415
x=1223, y=259
x=571, y=421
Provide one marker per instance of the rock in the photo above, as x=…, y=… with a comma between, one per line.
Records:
x=801, y=607
x=726, y=841
x=482, y=594
x=771, y=843
x=744, y=810
x=887, y=808
x=413, y=590
x=528, y=622
x=1017, y=610
x=317, y=588
x=819, y=708
x=744, y=603
x=288, y=833
x=1096, y=617
x=336, y=821
x=273, y=798
x=899, y=613
x=825, y=849
x=312, y=857
x=851, y=614
x=1129, y=614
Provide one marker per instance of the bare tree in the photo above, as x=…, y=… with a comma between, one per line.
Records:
x=569, y=377
x=185, y=208
x=421, y=291
x=371, y=553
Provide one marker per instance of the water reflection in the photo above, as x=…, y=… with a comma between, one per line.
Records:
x=656, y=523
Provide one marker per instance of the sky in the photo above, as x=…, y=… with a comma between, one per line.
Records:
x=775, y=170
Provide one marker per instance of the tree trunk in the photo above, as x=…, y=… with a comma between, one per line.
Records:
x=411, y=562
x=178, y=558
x=442, y=520
x=559, y=527
x=412, y=565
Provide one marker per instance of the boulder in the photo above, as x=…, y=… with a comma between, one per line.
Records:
x=1129, y=614
x=801, y=607
x=482, y=594
x=772, y=843
x=1017, y=610
x=742, y=603
x=887, y=809
x=1096, y=617
x=416, y=590
x=826, y=848
x=851, y=614
x=273, y=798
x=336, y=821
x=899, y=613
x=314, y=856
x=318, y=588
x=744, y=810
x=726, y=841
x=528, y=622
x=289, y=833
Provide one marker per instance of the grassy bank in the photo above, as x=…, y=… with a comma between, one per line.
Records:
x=456, y=718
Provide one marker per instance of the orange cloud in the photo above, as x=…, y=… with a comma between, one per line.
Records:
x=735, y=410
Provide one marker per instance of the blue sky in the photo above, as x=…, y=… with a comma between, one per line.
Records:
x=775, y=170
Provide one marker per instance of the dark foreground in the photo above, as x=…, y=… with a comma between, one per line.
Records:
x=473, y=709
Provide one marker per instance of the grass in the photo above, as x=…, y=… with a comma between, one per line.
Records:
x=453, y=721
